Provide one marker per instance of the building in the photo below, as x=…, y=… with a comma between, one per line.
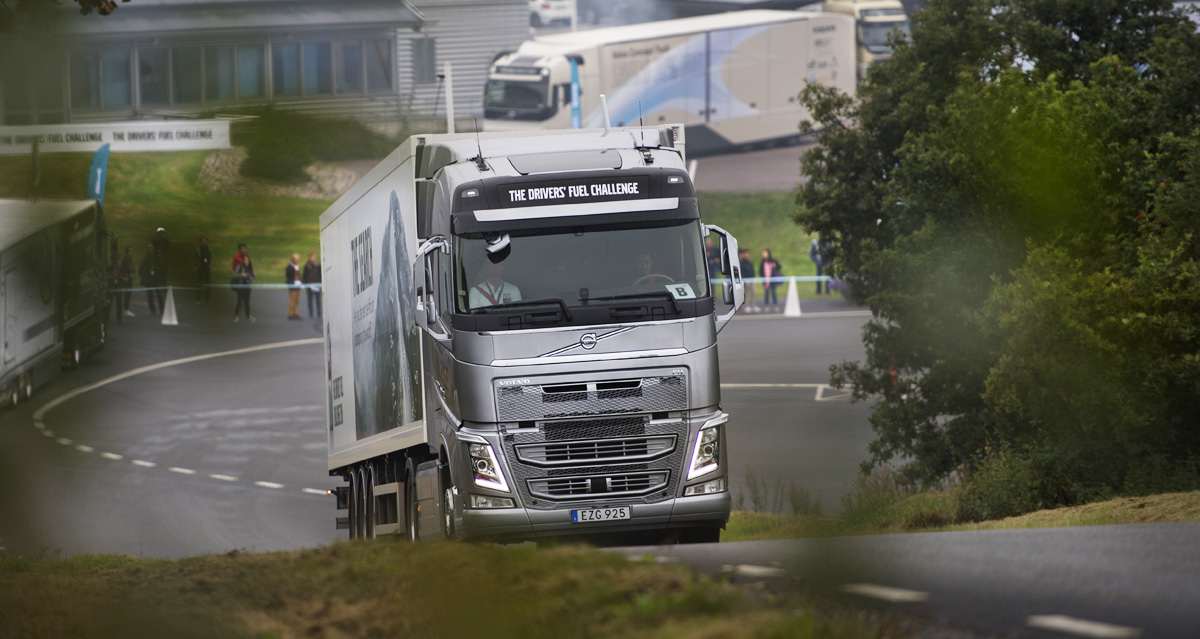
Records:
x=375, y=60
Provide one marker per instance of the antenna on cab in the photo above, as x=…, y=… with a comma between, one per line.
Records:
x=478, y=159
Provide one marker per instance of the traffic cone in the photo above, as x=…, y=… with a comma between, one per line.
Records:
x=168, y=316
x=791, y=308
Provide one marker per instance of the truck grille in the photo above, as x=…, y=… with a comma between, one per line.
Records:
x=627, y=459
x=599, y=486
x=611, y=397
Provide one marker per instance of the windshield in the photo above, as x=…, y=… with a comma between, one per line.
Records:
x=520, y=95
x=875, y=34
x=584, y=266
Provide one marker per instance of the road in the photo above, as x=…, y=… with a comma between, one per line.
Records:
x=229, y=452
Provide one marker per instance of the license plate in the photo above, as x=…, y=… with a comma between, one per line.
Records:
x=599, y=514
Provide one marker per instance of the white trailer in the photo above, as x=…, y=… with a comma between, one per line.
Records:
x=53, y=290
x=732, y=79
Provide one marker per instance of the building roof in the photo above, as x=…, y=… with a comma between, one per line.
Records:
x=21, y=218
x=166, y=17
x=682, y=26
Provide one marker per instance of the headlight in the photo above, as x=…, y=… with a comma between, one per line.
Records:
x=483, y=501
x=706, y=455
x=485, y=468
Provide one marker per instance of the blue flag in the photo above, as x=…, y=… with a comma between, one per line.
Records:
x=576, y=117
x=98, y=175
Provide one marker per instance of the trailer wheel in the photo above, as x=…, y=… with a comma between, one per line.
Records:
x=14, y=396
x=410, y=501
x=368, y=477
x=353, y=506
x=103, y=334
x=26, y=384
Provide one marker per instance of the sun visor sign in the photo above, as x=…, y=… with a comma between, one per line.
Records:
x=633, y=187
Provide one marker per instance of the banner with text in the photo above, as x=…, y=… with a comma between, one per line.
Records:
x=123, y=137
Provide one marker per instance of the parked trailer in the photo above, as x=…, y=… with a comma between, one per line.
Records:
x=520, y=340
x=53, y=289
x=732, y=79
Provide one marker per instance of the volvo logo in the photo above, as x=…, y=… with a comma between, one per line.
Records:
x=588, y=341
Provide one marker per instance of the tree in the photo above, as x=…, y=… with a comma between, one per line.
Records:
x=36, y=13
x=1007, y=145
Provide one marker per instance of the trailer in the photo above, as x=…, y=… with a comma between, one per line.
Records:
x=53, y=289
x=733, y=79
x=520, y=340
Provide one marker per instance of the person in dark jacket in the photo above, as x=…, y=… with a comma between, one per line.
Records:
x=769, y=270
x=148, y=274
x=747, y=267
x=312, y=283
x=243, y=277
x=125, y=277
x=204, y=258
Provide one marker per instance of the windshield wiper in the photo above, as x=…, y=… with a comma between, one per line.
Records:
x=632, y=296
x=549, y=300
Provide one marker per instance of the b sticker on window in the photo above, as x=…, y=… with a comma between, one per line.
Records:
x=681, y=291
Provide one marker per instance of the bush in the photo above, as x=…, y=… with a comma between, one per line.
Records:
x=1003, y=484
x=281, y=144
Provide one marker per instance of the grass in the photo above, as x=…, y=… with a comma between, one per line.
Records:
x=149, y=190
x=390, y=588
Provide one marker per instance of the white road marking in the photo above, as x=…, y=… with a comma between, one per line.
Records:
x=885, y=593
x=143, y=464
x=314, y=491
x=112, y=456
x=48, y=433
x=84, y=449
x=813, y=386
x=64, y=441
x=39, y=426
x=182, y=471
x=224, y=477
x=268, y=484
x=1082, y=627
x=822, y=397
x=806, y=315
x=754, y=572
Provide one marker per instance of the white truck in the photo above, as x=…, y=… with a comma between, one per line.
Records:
x=732, y=79
x=53, y=289
x=873, y=20
x=520, y=340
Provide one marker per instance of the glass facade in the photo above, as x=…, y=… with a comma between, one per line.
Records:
x=186, y=74
x=153, y=76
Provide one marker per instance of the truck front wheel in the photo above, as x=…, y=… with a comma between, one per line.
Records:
x=447, y=504
x=410, y=501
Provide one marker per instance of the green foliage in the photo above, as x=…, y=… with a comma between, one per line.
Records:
x=1016, y=196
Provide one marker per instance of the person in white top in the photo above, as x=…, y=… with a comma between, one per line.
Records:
x=493, y=289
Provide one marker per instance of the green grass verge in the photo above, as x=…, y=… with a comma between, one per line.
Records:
x=149, y=190
x=390, y=588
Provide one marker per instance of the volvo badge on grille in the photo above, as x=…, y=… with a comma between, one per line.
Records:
x=588, y=341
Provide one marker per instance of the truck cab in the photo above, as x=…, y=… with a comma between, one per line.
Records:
x=874, y=20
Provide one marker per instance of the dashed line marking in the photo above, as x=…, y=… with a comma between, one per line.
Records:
x=754, y=572
x=314, y=491
x=143, y=463
x=84, y=449
x=182, y=471
x=112, y=456
x=48, y=433
x=1082, y=627
x=885, y=593
x=268, y=484
x=223, y=477
x=64, y=441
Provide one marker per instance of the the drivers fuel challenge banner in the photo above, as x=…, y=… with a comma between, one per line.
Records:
x=575, y=192
x=122, y=137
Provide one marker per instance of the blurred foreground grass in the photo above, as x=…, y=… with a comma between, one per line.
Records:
x=388, y=587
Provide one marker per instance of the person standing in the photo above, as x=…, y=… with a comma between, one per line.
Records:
x=148, y=275
x=747, y=267
x=204, y=259
x=243, y=277
x=817, y=251
x=769, y=270
x=125, y=276
x=312, y=283
x=291, y=275
x=162, y=247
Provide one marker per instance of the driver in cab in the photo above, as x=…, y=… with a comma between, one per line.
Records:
x=645, y=273
x=493, y=290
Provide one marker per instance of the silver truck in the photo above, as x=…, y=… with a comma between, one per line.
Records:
x=53, y=289
x=521, y=340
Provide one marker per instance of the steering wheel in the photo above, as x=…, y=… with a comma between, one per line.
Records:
x=647, y=278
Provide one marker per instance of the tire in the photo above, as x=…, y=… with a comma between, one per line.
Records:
x=102, y=335
x=410, y=502
x=369, y=518
x=448, y=505
x=14, y=397
x=353, y=504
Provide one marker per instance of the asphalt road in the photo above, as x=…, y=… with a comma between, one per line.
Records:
x=228, y=452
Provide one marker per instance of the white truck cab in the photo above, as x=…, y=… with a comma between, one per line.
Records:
x=874, y=20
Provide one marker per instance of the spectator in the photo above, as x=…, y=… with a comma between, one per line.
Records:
x=312, y=283
x=148, y=274
x=746, y=265
x=125, y=276
x=204, y=259
x=162, y=246
x=291, y=275
x=817, y=252
x=712, y=256
x=243, y=278
x=769, y=270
